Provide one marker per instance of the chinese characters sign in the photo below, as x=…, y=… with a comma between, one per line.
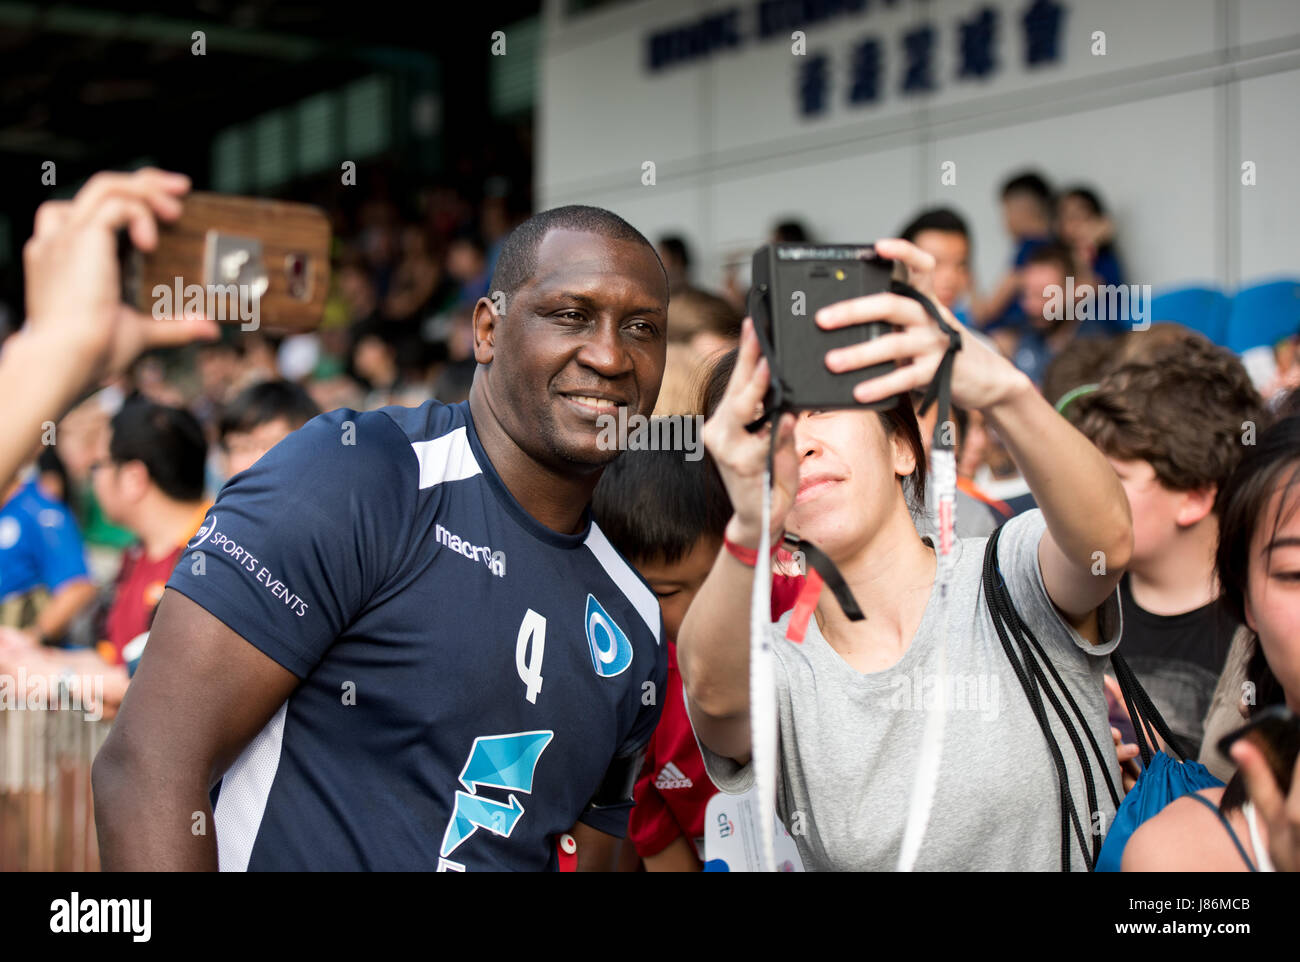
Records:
x=879, y=65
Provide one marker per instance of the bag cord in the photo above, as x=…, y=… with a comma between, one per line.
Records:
x=1029, y=672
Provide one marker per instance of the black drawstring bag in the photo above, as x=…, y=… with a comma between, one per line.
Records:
x=1034, y=669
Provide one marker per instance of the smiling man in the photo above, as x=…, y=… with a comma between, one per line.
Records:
x=398, y=641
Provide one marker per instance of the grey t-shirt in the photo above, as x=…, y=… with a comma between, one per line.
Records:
x=849, y=741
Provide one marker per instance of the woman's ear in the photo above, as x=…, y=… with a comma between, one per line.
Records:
x=904, y=457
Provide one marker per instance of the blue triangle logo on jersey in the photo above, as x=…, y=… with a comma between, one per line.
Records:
x=495, y=761
x=504, y=761
x=611, y=652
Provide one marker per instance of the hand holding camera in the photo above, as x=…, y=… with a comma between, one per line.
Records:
x=981, y=378
x=848, y=289
x=741, y=455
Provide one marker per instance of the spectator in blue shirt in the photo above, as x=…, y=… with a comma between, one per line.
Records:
x=1084, y=227
x=40, y=552
x=1027, y=213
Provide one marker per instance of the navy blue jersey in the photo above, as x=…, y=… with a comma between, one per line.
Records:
x=468, y=675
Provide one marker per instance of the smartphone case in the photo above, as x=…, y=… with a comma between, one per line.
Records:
x=276, y=254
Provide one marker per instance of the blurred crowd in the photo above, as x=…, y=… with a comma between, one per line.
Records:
x=92, y=528
x=100, y=515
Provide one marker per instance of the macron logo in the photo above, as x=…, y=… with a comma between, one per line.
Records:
x=672, y=777
x=495, y=560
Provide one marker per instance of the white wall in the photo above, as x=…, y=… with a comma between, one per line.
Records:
x=1187, y=91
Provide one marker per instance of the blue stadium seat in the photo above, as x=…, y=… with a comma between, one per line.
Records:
x=1263, y=315
x=1202, y=309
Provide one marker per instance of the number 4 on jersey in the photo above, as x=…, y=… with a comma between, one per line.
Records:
x=529, y=662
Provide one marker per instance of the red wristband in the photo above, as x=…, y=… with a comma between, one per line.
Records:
x=746, y=556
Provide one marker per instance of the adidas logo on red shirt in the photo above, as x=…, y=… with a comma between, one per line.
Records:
x=672, y=777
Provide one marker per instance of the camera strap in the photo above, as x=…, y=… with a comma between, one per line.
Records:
x=762, y=679
x=943, y=470
x=940, y=388
x=818, y=564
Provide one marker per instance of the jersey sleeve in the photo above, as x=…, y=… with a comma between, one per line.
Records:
x=295, y=546
x=62, y=556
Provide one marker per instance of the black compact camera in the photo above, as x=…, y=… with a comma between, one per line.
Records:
x=791, y=282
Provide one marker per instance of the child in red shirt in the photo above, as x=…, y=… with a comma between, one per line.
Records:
x=666, y=515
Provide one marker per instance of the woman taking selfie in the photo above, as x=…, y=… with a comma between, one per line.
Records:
x=853, y=697
x=1250, y=824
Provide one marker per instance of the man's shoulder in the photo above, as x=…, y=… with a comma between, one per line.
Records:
x=426, y=422
x=393, y=425
x=340, y=444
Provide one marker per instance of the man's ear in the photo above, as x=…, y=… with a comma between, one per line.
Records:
x=1196, y=505
x=485, y=328
x=135, y=479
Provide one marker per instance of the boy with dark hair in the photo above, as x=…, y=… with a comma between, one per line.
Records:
x=150, y=483
x=943, y=234
x=1027, y=213
x=259, y=417
x=790, y=232
x=44, y=582
x=666, y=515
x=1174, y=426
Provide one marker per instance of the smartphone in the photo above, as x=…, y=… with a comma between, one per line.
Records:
x=1275, y=731
x=245, y=260
x=791, y=282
